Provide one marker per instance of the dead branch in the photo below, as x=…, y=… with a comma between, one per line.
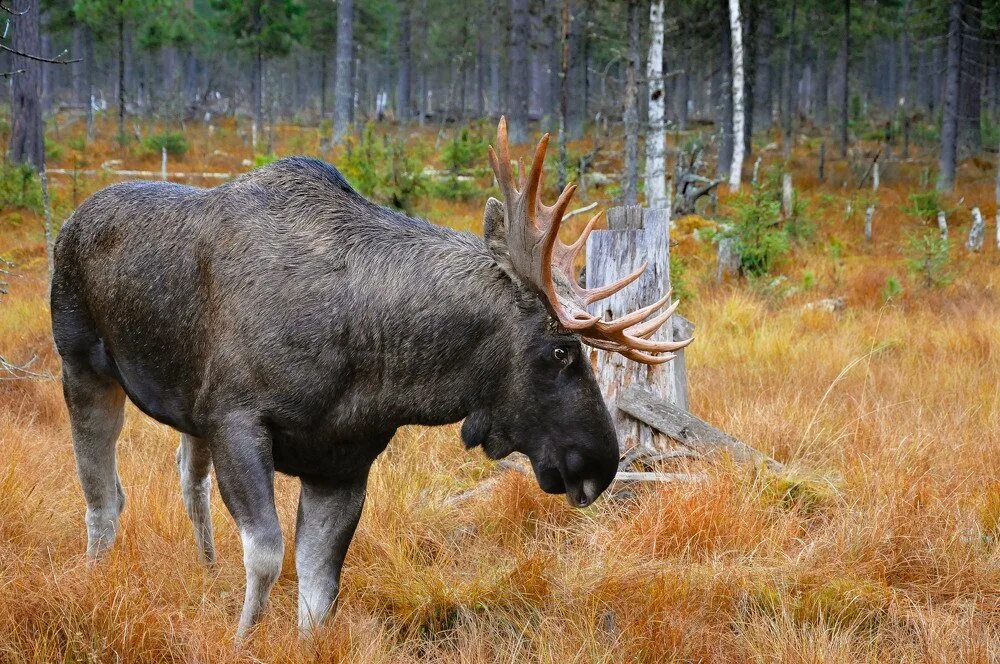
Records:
x=10, y=11
x=37, y=58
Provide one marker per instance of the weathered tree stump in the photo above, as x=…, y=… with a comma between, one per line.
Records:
x=977, y=232
x=635, y=236
x=942, y=222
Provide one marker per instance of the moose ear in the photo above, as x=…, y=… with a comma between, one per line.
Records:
x=495, y=234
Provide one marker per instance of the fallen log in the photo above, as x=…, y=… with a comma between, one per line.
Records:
x=685, y=428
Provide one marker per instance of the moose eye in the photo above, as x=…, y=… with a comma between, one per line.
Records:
x=560, y=354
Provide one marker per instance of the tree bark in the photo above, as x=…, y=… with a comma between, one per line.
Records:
x=258, y=96
x=520, y=72
x=735, y=24
x=121, y=73
x=656, y=161
x=343, y=91
x=403, y=107
x=723, y=89
x=846, y=90
x=631, y=114
x=765, y=69
x=27, y=141
x=970, y=85
x=789, y=83
x=949, y=120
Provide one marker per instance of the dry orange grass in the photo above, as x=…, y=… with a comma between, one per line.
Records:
x=879, y=543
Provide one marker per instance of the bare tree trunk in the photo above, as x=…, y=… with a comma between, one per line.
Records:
x=846, y=91
x=789, y=83
x=970, y=86
x=564, y=93
x=723, y=93
x=905, y=76
x=520, y=72
x=735, y=24
x=323, y=76
x=121, y=73
x=949, y=121
x=258, y=96
x=403, y=108
x=27, y=141
x=765, y=68
x=343, y=91
x=495, y=45
x=631, y=184
x=577, y=112
x=656, y=137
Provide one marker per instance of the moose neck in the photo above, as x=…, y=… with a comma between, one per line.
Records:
x=453, y=347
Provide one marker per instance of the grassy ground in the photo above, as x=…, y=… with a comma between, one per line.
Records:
x=878, y=544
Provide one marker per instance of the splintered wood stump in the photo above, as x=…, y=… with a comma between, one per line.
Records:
x=634, y=236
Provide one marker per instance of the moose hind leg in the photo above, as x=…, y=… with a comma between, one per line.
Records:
x=194, y=461
x=241, y=451
x=328, y=516
x=96, y=411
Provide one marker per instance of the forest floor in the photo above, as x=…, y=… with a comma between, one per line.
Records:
x=879, y=542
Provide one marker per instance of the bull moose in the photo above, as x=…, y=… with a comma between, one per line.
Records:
x=282, y=322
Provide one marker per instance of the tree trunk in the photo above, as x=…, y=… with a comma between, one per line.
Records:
x=949, y=120
x=631, y=114
x=846, y=91
x=493, y=85
x=749, y=73
x=258, y=96
x=735, y=24
x=789, y=83
x=27, y=141
x=403, y=111
x=576, y=114
x=724, y=94
x=520, y=72
x=765, y=68
x=323, y=76
x=656, y=161
x=121, y=73
x=970, y=81
x=343, y=91
x=564, y=93
x=905, y=76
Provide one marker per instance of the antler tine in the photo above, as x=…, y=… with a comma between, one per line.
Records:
x=630, y=319
x=535, y=176
x=646, y=329
x=592, y=295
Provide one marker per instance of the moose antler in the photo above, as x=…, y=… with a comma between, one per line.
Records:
x=532, y=230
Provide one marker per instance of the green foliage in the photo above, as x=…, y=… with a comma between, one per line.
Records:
x=679, y=278
x=382, y=169
x=924, y=205
x=465, y=150
x=990, y=132
x=892, y=290
x=264, y=159
x=174, y=142
x=928, y=259
x=808, y=280
x=20, y=188
x=761, y=242
x=53, y=151
x=453, y=189
x=856, y=108
x=270, y=26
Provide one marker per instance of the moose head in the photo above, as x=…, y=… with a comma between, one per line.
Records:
x=552, y=410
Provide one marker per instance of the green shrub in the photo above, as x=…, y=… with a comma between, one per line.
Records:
x=466, y=150
x=892, y=290
x=264, y=159
x=53, y=151
x=761, y=242
x=382, y=169
x=929, y=259
x=174, y=142
x=453, y=189
x=679, y=280
x=924, y=205
x=20, y=188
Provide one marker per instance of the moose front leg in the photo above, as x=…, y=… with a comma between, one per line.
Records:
x=328, y=516
x=241, y=452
